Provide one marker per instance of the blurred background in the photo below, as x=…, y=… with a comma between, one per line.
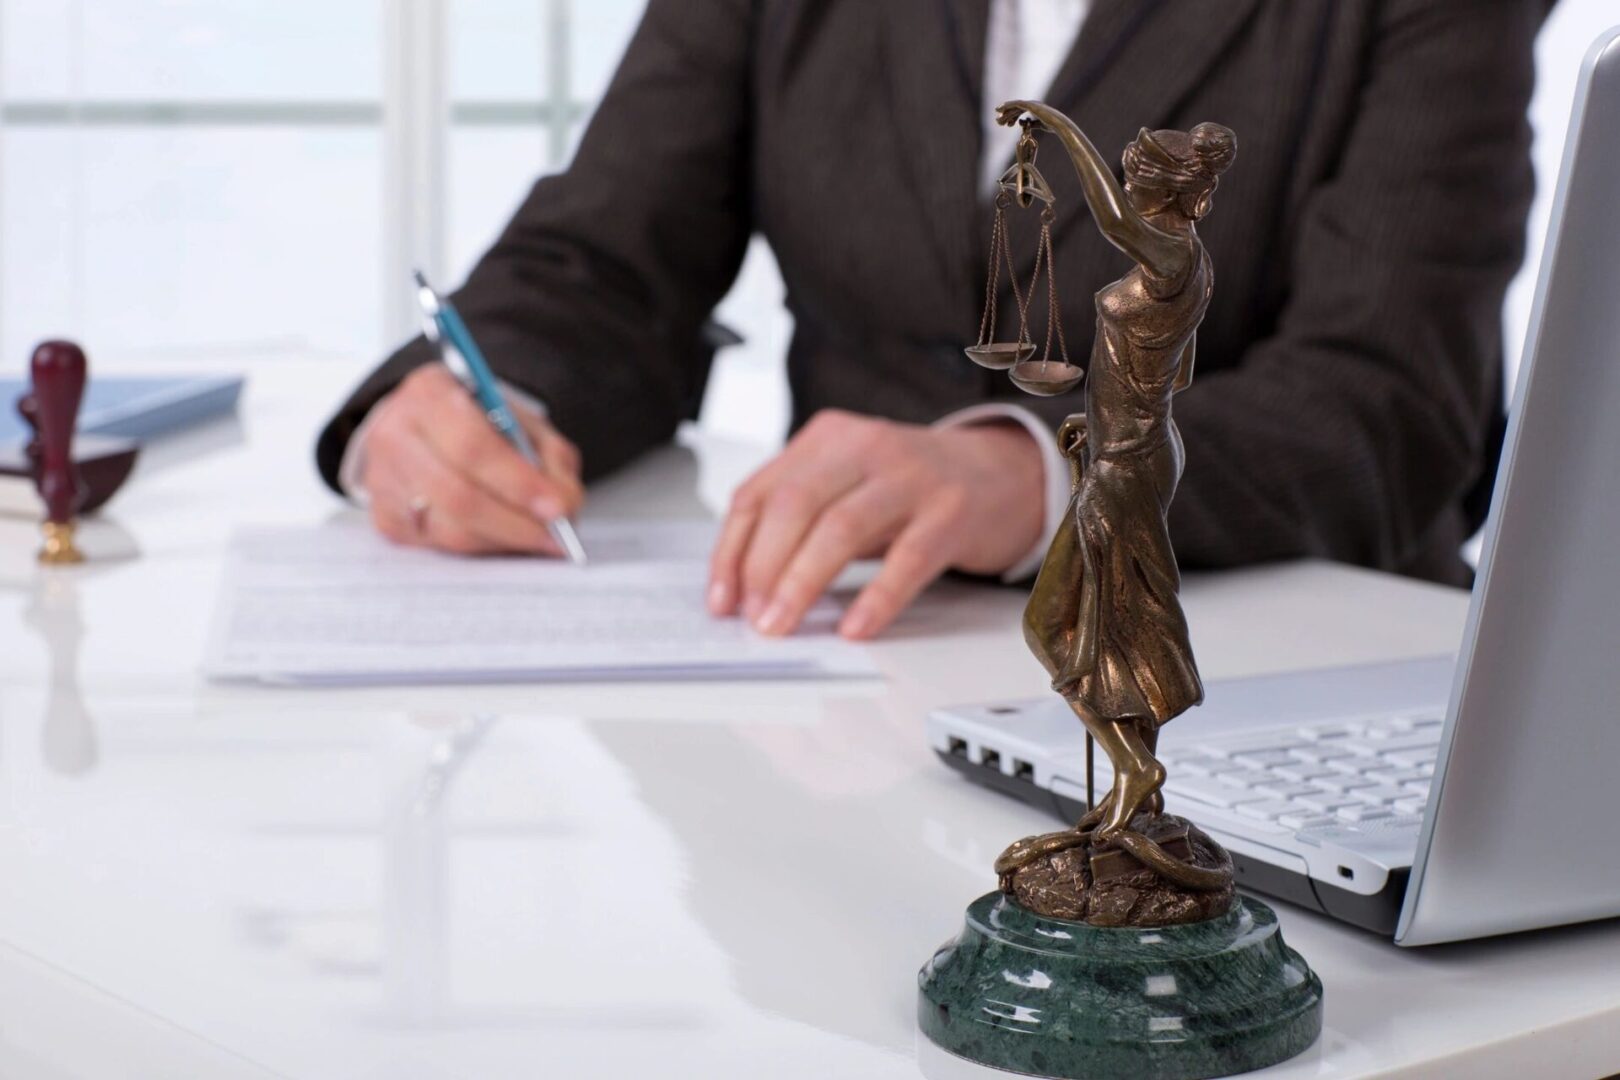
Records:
x=190, y=179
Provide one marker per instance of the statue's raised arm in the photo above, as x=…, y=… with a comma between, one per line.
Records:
x=1164, y=254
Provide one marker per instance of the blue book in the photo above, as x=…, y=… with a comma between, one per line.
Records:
x=133, y=407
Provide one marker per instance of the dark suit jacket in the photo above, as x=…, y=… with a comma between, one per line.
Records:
x=1349, y=371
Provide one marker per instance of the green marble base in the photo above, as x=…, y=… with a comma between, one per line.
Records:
x=1054, y=998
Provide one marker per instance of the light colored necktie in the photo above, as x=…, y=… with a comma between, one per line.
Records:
x=1027, y=43
x=1003, y=49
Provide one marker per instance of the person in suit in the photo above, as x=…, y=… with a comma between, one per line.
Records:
x=1349, y=404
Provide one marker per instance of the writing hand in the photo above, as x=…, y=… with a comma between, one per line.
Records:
x=849, y=487
x=440, y=476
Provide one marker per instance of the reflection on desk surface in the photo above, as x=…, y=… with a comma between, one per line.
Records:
x=421, y=875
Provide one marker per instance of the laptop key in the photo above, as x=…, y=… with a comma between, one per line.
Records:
x=1289, y=791
x=1305, y=819
x=1411, y=759
x=1411, y=805
x=1321, y=752
x=1344, y=781
x=1415, y=722
x=1383, y=793
x=1266, y=811
x=1428, y=739
x=1325, y=803
x=1263, y=759
x=1362, y=813
x=1211, y=793
x=1395, y=776
x=1300, y=771
x=1249, y=744
x=1419, y=788
x=1243, y=778
x=1321, y=732
x=1367, y=748
x=1200, y=765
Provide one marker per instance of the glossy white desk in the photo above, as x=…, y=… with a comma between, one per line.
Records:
x=586, y=881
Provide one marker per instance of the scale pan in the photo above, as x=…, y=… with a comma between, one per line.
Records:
x=1002, y=355
x=1046, y=378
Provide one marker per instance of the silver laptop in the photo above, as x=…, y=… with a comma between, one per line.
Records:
x=1435, y=800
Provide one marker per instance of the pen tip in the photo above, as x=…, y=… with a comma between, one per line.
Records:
x=421, y=282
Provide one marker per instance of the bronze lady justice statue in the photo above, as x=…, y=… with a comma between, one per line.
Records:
x=1105, y=619
x=1041, y=980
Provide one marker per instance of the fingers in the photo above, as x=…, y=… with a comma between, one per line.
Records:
x=847, y=488
x=919, y=555
x=856, y=526
x=559, y=457
x=724, y=564
x=431, y=441
x=462, y=436
x=736, y=532
x=789, y=514
x=458, y=515
x=774, y=509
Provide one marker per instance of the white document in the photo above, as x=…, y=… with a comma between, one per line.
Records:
x=338, y=604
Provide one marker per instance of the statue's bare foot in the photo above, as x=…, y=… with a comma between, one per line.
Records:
x=1093, y=817
x=1134, y=787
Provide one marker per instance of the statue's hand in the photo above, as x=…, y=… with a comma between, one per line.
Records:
x=1071, y=435
x=1009, y=114
x=1071, y=440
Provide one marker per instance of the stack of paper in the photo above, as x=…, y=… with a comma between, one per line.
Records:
x=338, y=604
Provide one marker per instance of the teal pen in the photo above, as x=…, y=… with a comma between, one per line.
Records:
x=466, y=362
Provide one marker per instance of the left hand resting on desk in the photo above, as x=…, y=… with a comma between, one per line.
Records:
x=849, y=487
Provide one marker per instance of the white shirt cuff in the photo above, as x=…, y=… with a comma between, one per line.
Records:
x=353, y=465
x=1052, y=461
x=352, y=469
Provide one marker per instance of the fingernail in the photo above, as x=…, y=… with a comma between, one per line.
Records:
x=858, y=622
x=547, y=509
x=753, y=606
x=774, y=621
x=720, y=598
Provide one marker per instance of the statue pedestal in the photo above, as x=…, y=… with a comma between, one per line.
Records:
x=1053, y=998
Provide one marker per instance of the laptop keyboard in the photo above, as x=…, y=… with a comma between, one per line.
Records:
x=1335, y=773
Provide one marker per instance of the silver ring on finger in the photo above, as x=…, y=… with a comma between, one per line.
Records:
x=418, y=509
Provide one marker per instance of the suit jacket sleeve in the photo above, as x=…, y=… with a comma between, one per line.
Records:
x=595, y=297
x=1363, y=418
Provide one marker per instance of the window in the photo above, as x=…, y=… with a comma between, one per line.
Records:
x=190, y=174
x=221, y=178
